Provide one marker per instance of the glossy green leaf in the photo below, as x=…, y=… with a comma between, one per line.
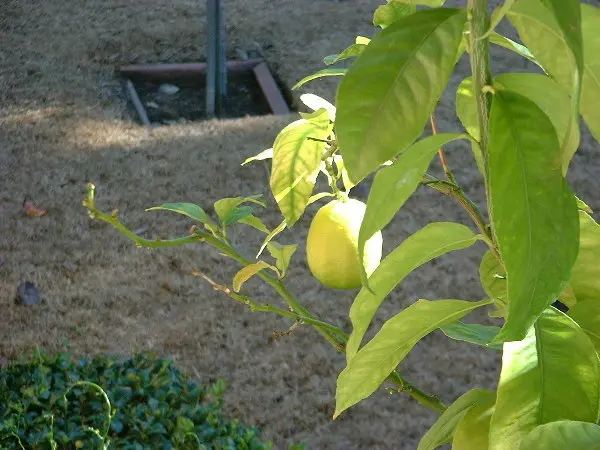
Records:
x=379, y=357
x=585, y=277
x=385, y=99
x=443, y=429
x=282, y=254
x=265, y=154
x=542, y=34
x=187, y=209
x=296, y=161
x=534, y=213
x=431, y=241
x=228, y=209
x=551, y=98
x=394, y=184
x=587, y=316
x=473, y=430
x=248, y=272
x=332, y=72
x=509, y=44
x=351, y=51
x=550, y=375
x=254, y=222
x=563, y=435
x=278, y=229
x=473, y=333
x=387, y=14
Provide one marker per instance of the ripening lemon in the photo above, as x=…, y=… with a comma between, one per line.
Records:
x=332, y=245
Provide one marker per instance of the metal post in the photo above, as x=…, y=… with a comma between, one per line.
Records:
x=216, y=59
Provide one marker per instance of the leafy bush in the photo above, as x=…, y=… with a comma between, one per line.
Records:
x=139, y=403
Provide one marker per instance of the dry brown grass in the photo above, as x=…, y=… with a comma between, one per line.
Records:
x=64, y=122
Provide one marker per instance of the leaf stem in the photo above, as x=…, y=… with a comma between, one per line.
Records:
x=442, y=155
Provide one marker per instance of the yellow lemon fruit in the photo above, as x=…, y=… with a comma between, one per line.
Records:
x=332, y=245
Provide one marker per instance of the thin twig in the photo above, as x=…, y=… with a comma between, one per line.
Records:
x=442, y=155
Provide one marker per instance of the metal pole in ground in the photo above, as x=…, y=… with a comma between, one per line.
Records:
x=216, y=60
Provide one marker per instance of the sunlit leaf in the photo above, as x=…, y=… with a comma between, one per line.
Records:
x=563, y=435
x=552, y=374
x=282, y=254
x=472, y=431
x=379, y=357
x=265, y=154
x=296, y=161
x=492, y=277
x=394, y=184
x=587, y=316
x=278, y=229
x=333, y=72
x=248, y=272
x=585, y=277
x=315, y=103
x=351, y=51
x=385, y=99
x=255, y=222
x=534, y=214
x=431, y=241
x=387, y=14
x=443, y=429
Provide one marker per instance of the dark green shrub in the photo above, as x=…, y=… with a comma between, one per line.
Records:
x=55, y=402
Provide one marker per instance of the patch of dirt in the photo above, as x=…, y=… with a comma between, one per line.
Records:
x=244, y=98
x=62, y=124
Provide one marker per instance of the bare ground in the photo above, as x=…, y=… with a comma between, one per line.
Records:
x=64, y=121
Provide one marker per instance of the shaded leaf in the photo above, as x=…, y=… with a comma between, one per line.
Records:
x=386, y=97
x=282, y=226
x=296, y=161
x=431, y=241
x=282, y=254
x=248, y=272
x=473, y=333
x=534, y=214
x=585, y=277
x=587, y=316
x=509, y=44
x=187, y=209
x=472, y=431
x=394, y=184
x=333, y=72
x=562, y=435
x=443, y=429
x=492, y=277
x=550, y=375
x=228, y=209
x=377, y=359
x=387, y=14
x=351, y=51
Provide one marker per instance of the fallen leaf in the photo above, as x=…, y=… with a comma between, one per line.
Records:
x=31, y=210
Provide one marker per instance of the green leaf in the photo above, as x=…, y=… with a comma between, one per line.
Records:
x=333, y=72
x=377, y=359
x=583, y=206
x=550, y=97
x=509, y=44
x=296, y=161
x=430, y=3
x=563, y=435
x=443, y=429
x=385, y=99
x=255, y=222
x=472, y=431
x=282, y=226
x=472, y=333
x=341, y=169
x=387, y=14
x=394, y=184
x=492, y=277
x=350, y=52
x=187, y=209
x=550, y=375
x=534, y=214
x=282, y=254
x=585, y=277
x=431, y=241
x=587, y=316
x=265, y=154
x=248, y=272
x=542, y=34
x=228, y=208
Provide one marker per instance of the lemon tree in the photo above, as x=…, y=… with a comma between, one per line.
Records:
x=540, y=272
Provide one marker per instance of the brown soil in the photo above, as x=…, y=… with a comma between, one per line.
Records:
x=64, y=122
